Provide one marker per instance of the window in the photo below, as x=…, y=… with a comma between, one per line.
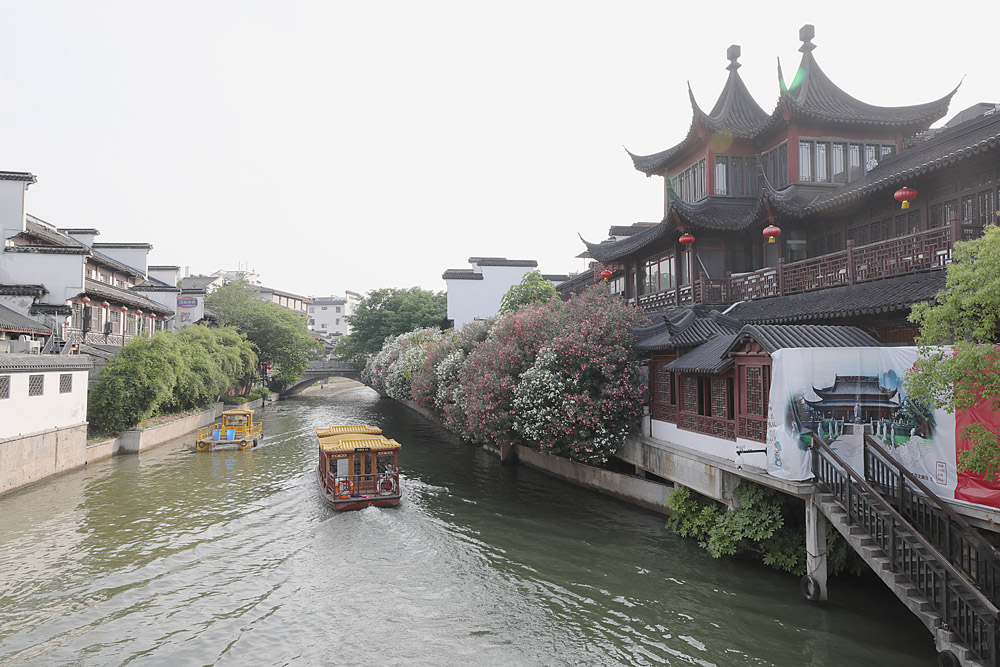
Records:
x=36, y=385
x=734, y=175
x=838, y=163
x=685, y=268
x=65, y=383
x=338, y=321
x=805, y=160
x=4, y=386
x=322, y=326
x=775, y=164
x=324, y=308
x=689, y=185
x=312, y=309
x=338, y=309
x=657, y=274
x=663, y=390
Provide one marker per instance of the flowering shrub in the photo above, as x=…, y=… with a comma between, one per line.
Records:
x=562, y=375
x=583, y=392
x=391, y=369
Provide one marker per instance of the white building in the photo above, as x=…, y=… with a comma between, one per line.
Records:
x=328, y=314
x=43, y=416
x=476, y=293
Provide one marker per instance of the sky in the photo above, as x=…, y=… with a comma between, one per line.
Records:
x=333, y=145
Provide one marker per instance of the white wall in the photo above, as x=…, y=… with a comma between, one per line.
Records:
x=61, y=274
x=186, y=316
x=136, y=258
x=168, y=276
x=469, y=300
x=22, y=414
x=11, y=208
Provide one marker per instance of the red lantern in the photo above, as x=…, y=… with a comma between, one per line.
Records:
x=138, y=312
x=105, y=304
x=606, y=275
x=686, y=239
x=124, y=309
x=85, y=299
x=164, y=318
x=152, y=316
x=772, y=232
x=905, y=195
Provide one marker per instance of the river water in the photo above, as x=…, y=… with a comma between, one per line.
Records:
x=232, y=558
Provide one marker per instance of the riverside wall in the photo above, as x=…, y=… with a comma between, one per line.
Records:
x=632, y=489
x=31, y=458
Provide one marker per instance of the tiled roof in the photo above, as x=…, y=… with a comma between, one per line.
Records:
x=11, y=320
x=555, y=277
x=707, y=358
x=23, y=290
x=197, y=282
x=461, y=274
x=501, y=261
x=48, y=249
x=17, y=176
x=93, y=288
x=164, y=267
x=946, y=148
x=774, y=337
x=44, y=362
x=137, y=246
x=683, y=327
x=79, y=230
x=50, y=309
x=37, y=227
x=812, y=95
x=891, y=295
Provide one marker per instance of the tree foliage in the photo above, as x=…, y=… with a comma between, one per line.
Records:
x=389, y=312
x=533, y=288
x=280, y=336
x=168, y=373
x=966, y=316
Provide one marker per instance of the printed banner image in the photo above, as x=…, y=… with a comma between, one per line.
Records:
x=840, y=394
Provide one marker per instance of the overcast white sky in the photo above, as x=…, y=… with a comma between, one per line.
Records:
x=356, y=145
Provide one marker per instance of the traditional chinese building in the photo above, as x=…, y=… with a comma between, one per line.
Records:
x=855, y=398
x=787, y=221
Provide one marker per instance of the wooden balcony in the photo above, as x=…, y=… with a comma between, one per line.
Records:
x=904, y=255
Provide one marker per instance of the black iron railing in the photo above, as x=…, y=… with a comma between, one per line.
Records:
x=965, y=548
x=963, y=607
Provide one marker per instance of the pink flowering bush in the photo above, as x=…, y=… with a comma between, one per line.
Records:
x=583, y=392
x=426, y=388
x=401, y=357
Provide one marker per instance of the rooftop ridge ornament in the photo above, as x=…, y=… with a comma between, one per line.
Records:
x=733, y=54
x=806, y=34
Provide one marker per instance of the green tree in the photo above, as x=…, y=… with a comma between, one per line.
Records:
x=533, y=288
x=966, y=316
x=280, y=336
x=389, y=312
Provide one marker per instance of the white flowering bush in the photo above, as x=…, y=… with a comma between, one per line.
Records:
x=391, y=369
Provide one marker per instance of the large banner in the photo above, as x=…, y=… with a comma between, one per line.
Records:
x=842, y=393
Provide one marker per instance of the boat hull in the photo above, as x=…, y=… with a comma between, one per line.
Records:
x=356, y=502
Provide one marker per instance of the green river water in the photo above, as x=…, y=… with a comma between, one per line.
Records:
x=232, y=558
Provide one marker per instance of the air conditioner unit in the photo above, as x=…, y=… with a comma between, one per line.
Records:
x=23, y=338
x=35, y=347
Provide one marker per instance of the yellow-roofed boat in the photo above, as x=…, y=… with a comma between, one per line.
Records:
x=237, y=429
x=358, y=467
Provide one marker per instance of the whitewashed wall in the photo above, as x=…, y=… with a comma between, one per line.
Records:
x=136, y=258
x=62, y=274
x=469, y=300
x=11, y=208
x=22, y=414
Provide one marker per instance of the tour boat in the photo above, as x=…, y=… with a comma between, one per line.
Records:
x=358, y=467
x=237, y=428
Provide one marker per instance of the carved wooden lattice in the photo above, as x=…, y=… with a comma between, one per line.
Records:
x=664, y=412
x=688, y=422
x=711, y=291
x=689, y=397
x=658, y=301
x=826, y=271
x=754, y=391
x=686, y=295
x=916, y=252
x=756, y=285
x=753, y=429
x=720, y=404
x=663, y=390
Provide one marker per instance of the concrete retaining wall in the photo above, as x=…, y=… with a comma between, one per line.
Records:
x=133, y=442
x=27, y=459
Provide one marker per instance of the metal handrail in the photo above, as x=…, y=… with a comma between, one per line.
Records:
x=967, y=612
x=980, y=561
x=375, y=478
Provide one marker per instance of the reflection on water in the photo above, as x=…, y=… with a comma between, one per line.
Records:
x=230, y=557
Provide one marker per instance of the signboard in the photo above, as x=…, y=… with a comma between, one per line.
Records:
x=841, y=394
x=187, y=301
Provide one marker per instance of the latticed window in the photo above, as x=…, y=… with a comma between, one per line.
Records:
x=65, y=383
x=755, y=391
x=664, y=385
x=720, y=406
x=689, y=397
x=4, y=386
x=36, y=385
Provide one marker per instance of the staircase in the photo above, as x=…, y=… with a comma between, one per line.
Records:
x=962, y=618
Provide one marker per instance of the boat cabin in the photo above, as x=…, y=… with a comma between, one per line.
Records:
x=358, y=467
x=237, y=427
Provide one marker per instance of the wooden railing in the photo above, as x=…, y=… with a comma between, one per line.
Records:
x=714, y=426
x=965, y=609
x=923, y=251
x=965, y=548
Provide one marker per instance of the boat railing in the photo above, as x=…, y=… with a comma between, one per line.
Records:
x=229, y=433
x=385, y=483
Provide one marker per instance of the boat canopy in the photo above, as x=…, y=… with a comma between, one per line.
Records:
x=351, y=438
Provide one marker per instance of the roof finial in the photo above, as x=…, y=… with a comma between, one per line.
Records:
x=806, y=34
x=733, y=53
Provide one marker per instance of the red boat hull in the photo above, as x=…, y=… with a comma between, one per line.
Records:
x=356, y=502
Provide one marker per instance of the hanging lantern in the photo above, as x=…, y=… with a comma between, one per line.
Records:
x=164, y=318
x=85, y=299
x=686, y=239
x=124, y=309
x=152, y=316
x=138, y=312
x=905, y=195
x=772, y=231
x=606, y=275
x=105, y=304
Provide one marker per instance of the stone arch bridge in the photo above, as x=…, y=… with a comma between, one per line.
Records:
x=320, y=370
